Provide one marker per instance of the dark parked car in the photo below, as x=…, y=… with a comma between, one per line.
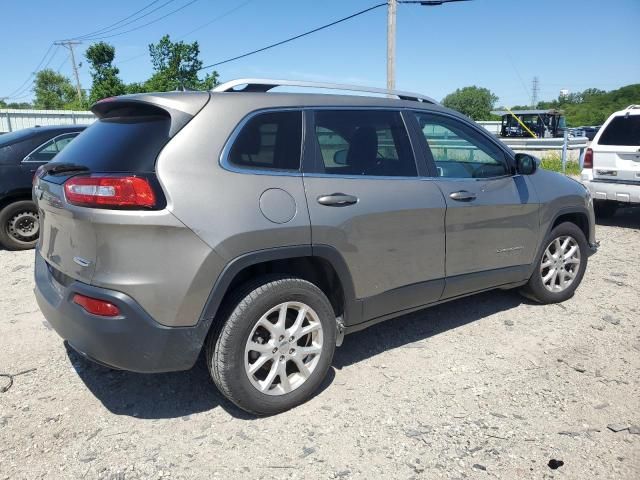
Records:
x=21, y=153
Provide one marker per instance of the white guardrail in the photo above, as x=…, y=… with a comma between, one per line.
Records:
x=12, y=119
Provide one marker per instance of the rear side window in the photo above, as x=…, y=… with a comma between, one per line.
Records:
x=623, y=130
x=364, y=142
x=50, y=149
x=120, y=144
x=270, y=140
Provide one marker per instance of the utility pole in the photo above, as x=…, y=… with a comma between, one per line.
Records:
x=69, y=44
x=392, y=7
x=534, y=92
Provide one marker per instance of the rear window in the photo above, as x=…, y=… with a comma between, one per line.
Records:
x=269, y=140
x=623, y=130
x=123, y=144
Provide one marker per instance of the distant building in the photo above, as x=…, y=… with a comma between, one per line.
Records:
x=564, y=92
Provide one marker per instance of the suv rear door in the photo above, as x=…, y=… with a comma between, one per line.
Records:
x=367, y=201
x=492, y=215
x=616, y=150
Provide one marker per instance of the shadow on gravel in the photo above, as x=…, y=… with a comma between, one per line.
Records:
x=179, y=394
x=160, y=395
x=628, y=217
x=423, y=324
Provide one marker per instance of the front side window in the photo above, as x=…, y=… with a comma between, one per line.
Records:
x=364, y=142
x=459, y=151
x=270, y=140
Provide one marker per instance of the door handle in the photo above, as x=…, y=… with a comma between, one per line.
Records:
x=462, y=196
x=337, y=200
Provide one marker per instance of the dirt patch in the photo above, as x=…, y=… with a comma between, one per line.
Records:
x=491, y=386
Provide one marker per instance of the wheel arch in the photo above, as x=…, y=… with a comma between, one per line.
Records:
x=15, y=196
x=322, y=265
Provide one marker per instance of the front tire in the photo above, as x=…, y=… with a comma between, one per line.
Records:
x=559, y=268
x=19, y=225
x=275, y=345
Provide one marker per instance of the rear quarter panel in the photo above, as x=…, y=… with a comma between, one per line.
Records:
x=223, y=207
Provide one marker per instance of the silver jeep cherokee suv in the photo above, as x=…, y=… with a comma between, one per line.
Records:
x=260, y=227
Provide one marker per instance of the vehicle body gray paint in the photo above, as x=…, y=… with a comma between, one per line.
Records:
x=403, y=245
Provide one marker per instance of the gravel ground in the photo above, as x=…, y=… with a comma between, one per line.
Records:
x=491, y=386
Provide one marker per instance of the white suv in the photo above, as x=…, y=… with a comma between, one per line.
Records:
x=611, y=168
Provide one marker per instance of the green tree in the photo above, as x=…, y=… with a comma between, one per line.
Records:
x=474, y=102
x=176, y=65
x=55, y=92
x=106, y=82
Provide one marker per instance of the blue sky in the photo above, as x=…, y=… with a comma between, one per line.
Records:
x=498, y=44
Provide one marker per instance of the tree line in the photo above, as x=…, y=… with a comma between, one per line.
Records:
x=590, y=107
x=177, y=65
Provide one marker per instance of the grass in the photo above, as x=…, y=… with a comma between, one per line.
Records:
x=553, y=161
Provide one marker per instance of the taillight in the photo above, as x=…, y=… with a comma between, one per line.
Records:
x=113, y=191
x=96, y=306
x=587, y=162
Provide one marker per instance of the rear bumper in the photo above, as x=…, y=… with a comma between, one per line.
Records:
x=615, y=191
x=132, y=341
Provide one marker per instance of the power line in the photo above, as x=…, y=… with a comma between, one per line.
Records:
x=344, y=19
x=145, y=24
x=219, y=17
x=109, y=28
x=18, y=90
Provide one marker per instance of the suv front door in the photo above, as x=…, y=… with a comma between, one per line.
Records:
x=367, y=201
x=492, y=215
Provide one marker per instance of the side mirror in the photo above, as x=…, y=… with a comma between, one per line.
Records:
x=526, y=164
x=340, y=157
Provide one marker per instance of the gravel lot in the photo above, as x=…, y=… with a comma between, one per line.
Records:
x=491, y=386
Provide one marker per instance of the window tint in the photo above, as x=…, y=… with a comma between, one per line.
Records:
x=364, y=142
x=269, y=140
x=460, y=152
x=50, y=149
x=623, y=130
x=121, y=144
x=45, y=152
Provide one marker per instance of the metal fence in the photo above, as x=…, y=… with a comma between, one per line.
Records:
x=11, y=119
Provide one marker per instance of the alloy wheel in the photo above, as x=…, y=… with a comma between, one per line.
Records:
x=560, y=263
x=283, y=348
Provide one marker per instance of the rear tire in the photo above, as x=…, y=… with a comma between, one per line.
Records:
x=260, y=357
x=19, y=225
x=604, y=208
x=560, y=266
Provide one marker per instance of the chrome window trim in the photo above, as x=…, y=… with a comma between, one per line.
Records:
x=53, y=139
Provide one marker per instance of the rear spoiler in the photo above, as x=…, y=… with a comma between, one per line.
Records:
x=181, y=107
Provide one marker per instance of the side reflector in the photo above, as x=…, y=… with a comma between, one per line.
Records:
x=113, y=191
x=96, y=306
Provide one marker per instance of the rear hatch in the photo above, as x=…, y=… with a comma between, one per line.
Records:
x=616, y=157
x=106, y=177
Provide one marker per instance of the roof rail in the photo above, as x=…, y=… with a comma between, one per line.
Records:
x=632, y=106
x=264, y=85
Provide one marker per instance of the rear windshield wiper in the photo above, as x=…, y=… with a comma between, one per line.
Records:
x=56, y=168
